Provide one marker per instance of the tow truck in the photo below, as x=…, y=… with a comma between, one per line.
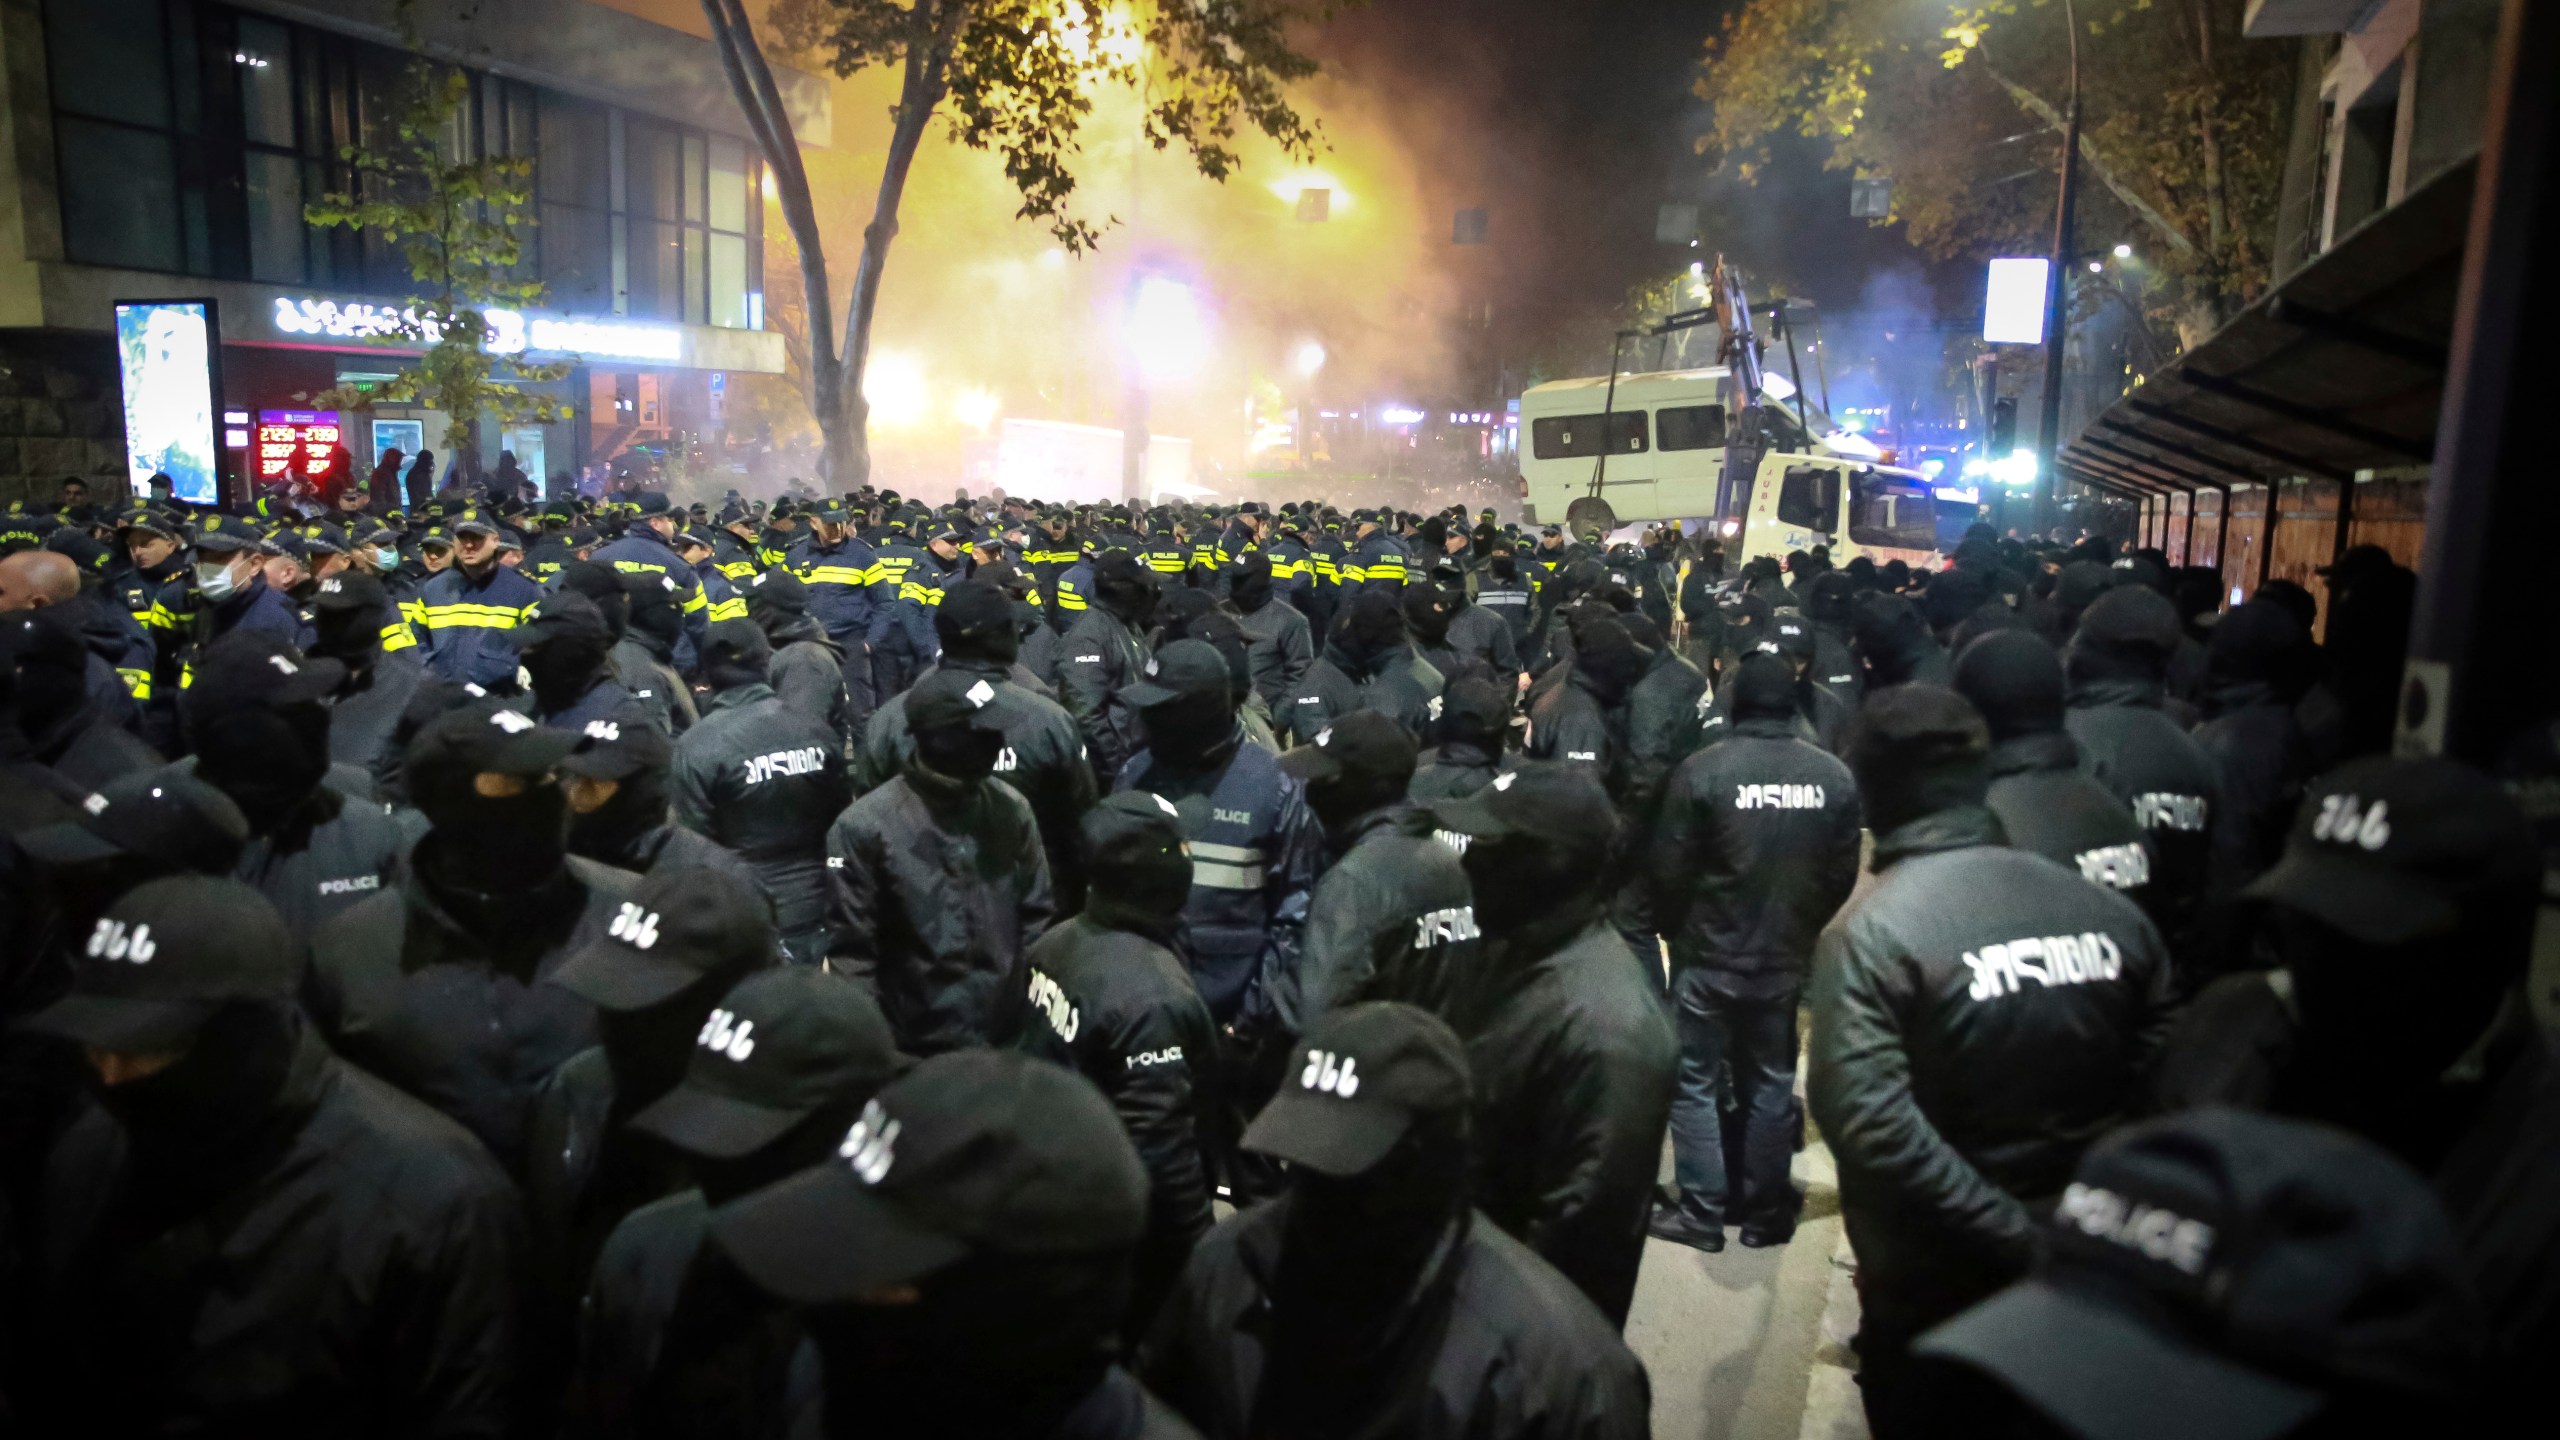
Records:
x=1717, y=443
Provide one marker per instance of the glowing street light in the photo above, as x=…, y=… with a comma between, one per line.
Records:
x=2124, y=251
x=1307, y=359
x=893, y=385
x=1168, y=337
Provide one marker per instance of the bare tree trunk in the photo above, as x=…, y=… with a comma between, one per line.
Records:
x=928, y=57
x=751, y=82
x=2143, y=210
x=2217, y=207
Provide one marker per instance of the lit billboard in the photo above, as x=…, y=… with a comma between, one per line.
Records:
x=2013, y=302
x=165, y=353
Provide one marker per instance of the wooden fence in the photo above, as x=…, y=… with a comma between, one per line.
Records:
x=2389, y=512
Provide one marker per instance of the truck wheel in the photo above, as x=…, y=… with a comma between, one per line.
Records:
x=1590, y=518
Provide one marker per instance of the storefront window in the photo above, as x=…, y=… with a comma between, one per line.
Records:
x=190, y=137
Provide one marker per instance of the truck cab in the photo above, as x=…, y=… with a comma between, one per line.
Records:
x=1666, y=442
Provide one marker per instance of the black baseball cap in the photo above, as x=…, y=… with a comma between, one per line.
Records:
x=650, y=502
x=474, y=520
x=1556, y=800
x=677, y=927
x=2390, y=850
x=1132, y=826
x=485, y=737
x=1180, y=670
x=1365, y=744
x=618, y=749
x=781, y=1045
x=951, y=697
x=2220, y=1275
x=351, y=590
x=970, y=1151
x=568, y=615
x=972, y=610
x=166, y=815
x=1357, y=1083
x=779, y=590
x=736, y=645
x=257, y=668
x=164, y=957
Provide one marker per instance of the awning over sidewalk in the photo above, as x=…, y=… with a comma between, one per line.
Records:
x=2338, y=369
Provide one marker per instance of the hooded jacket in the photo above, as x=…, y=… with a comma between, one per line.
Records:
x=1256, y=850
x=765, y=781
x=938, y=887
x=1513, y=1351
x=1392, y=918
x=1043, y=759
x=406, y=987
x=2131, y=747
x=1572, y=1059
x=1979, y=1017
x=807, y=672
x=1395, y=682
x=2047, y=806
x=1454, y=770
x=644, y=670
x=1105, y=654
x=1118, y=1008
x=350, y=1268
x=1573, y=721
x=1755, y=849
x=1279, y=648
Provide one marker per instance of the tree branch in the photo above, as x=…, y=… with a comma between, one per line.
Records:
x=2042, y=109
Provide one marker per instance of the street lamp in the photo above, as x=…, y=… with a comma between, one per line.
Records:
x=1307, y=359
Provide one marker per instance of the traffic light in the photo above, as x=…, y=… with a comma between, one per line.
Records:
x=2004, y=429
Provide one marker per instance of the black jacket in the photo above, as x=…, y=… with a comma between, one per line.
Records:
x=1255, y=852
x=2262, y=760
x=1979, y=1017
x=765, y=781
x=939, y=886
x=1662, y=728
x=1104, y=655
x=330, y=855
x=2129, y=745
x=362, y=723
x=2047, y=806
x=1392, y=918
x=807, y=672
x=1573, y=722
x=1399, y=684
x=1823, y=716
x=1453, y=772
x=1279, y=648
x=1118, y=1008
x=671, y=847
x=1572, y=1059
x=452, y=1008
x=1043, y=758
x=1755, y=849
x=352, y=1268
x=1513, y=1353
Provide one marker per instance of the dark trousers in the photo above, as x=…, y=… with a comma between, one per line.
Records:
x=1744, y=1049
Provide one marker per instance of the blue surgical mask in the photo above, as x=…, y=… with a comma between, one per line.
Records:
x=214, y=580
x=387, y=558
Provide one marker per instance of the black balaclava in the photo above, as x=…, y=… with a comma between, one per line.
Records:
x=1370, y=632
x=1426, y=614
x=601, y=586
x=993, y=1345
x=1191, y=731
x=1250, y=586
x=655, y=619
x=565, y=667
x=191, y=1125
x=491, y=845
x=2015, y=680
x=963, y=753
x=2257, y=644
x=1219, y=631
x=1607, y=659
x=1341, y=800
x=1918, y=750
x=2124, y=640
x=350, y=635
x=268, y=759
x=611, y=830
x=810, y=1140
x=1527, y=887
x=1360, y=1287
x=1133, y=883
x=1504, y=565
x=1178, y=609
x=752, y=664
x=1891, y=637
x=1764, y=688
x=1473, y=712
x=1125, y=588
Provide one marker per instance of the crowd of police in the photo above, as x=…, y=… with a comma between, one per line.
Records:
x=859, y=967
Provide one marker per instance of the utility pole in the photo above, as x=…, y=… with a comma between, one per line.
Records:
x=2057, y=293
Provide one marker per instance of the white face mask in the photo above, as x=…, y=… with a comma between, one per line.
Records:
x=214, y=581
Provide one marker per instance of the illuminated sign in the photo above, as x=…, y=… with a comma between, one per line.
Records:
x=510, y=332
x=1399, y=415
x=165, y=352
x=294, y=443
x=2013, y=302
